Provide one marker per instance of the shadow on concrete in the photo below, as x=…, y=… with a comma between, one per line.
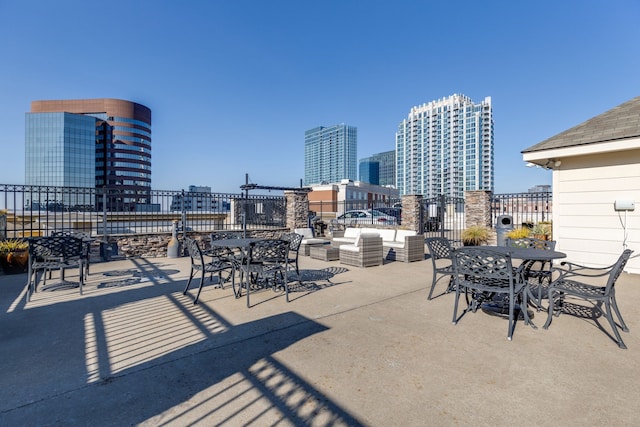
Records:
x=148, y=354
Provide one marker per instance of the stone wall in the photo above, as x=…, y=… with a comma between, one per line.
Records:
x=412, y=213
x=477, y=208
x=155, y=245
x=477, y=211
x=297, y=203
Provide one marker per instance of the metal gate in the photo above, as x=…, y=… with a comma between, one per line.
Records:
x=443, y=216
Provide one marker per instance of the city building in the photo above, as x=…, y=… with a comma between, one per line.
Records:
x=379, y=169
x=330, y=154
x=199, y=198
x=338, y=197
x=446, y=147
x=97, y=143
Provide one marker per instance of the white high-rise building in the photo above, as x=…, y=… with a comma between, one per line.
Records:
x=446, y=147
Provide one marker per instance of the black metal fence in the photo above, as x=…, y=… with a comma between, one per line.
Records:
x=443, y=216
x=524, y=208
x=41, y=210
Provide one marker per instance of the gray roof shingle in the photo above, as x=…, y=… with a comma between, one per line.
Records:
x=618, y=123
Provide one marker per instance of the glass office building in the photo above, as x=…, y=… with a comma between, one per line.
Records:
x=98, y=143
x=330, y=154
x=379, y=169
x=446, y=147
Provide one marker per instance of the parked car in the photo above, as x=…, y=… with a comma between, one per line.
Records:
x=368, y=216
x=394, y=212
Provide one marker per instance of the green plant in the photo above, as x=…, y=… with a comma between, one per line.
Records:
x=475, y=235
x=12, y=245
x=519, y=233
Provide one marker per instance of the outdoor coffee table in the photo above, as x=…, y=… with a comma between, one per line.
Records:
x=324, y=252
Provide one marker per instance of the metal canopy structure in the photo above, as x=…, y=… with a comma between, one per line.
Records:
x=247, y=187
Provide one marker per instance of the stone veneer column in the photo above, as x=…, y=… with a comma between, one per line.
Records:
x=412, y=212
x=297, y=209
x=477, y=208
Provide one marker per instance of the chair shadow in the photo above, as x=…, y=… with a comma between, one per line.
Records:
x=133, y=276
x=588, y=313
x=302, y=284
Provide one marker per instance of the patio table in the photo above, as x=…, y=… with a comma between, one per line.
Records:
x=243, y=245
x=499, y=307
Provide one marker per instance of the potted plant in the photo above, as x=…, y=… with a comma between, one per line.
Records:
x=541, y=231
x=14, y=256
x=519, y=233
x=475, y=235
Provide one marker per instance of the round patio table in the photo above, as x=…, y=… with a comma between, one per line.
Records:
x=499, y=306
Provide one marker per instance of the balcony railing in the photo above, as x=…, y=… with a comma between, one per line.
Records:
x=40, y=210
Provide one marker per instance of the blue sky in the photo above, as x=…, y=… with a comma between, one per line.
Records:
x=234, y=84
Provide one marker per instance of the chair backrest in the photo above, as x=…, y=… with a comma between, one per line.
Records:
x=221, y=235
x=617, y=269
x=483, y=265
x=194, y=251
x=439, y=248
x=530, y=242
x=269, y=250
x=62, y=246
x=294, y=239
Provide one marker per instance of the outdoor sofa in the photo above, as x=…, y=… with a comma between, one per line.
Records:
x=398, y=245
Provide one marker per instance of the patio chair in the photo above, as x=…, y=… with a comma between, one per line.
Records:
x=572, y=283
x=86, y=238
x=216, y=265
x=487, y=273
x=265, y=261
x=225, y=254
x=442, y=262
x=537, y=273
x=60, y=252
x=365, y=252
x=295, y=240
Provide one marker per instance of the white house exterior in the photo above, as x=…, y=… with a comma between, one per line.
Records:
x=594, y=165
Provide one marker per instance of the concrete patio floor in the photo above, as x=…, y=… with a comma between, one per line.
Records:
x=353, y=347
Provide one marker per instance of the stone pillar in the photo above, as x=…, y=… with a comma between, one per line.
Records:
x=297, y=209
x=412, y=213
x=477, y=208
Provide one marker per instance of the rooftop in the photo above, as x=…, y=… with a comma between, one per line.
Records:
x=621, y=122
x=353, y=347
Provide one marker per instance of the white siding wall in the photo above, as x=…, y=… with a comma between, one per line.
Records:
x=585, y=224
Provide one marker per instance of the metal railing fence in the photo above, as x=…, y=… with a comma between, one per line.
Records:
x=525, y=208
x=40, y=210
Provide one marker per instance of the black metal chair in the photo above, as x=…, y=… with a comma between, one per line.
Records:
x=264, y=262
x=60, y=252
x=537, y=273
x=295, y=240
x=86, y=239
x=442, y=262
x=486, y=273
x=216, y=265
x=225, y=254
x=571, y=283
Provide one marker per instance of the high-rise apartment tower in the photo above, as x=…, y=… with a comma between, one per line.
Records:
x=379, y=169
x=101, y=143
x=330, y=154
x=446, y=147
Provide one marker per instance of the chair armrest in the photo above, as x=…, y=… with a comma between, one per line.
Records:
x=573, y=269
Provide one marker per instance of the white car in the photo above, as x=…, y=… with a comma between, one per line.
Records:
x=368, y=216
